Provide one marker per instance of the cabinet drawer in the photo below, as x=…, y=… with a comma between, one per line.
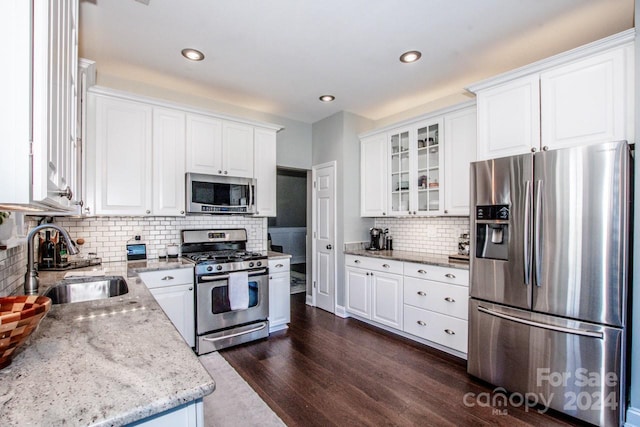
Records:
x=375, y=264
x=452, y=300
x=455, y=276
x=279, y=265
x=439, y=328
x=162, y=278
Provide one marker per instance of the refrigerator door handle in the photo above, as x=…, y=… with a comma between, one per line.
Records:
x=536, y=238
x=582, y=332
x=527, y=233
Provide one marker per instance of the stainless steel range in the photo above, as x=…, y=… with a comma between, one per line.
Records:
x=225, y=275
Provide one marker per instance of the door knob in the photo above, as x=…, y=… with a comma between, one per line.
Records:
x=329, y=247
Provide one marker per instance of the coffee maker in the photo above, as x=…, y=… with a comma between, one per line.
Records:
x=377, y=239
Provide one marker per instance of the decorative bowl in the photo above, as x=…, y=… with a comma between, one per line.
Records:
x=19, y=317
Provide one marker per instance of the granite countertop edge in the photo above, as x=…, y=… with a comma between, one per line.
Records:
x=418, y=257
x=277, y=255
x=136, y=359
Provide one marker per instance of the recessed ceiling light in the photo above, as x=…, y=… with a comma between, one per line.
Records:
x=193, y=54
x=327, y=98
x=411, y=56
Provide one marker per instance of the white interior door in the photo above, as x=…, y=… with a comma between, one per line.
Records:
x=324, y=213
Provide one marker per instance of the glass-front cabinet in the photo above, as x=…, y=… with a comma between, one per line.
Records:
x=415, y=168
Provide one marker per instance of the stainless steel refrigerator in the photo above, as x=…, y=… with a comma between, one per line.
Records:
x=550, y=243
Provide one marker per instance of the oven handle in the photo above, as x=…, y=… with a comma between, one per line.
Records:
x=237, y=334
x=226, y=276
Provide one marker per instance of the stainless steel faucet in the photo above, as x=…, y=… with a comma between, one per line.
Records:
x=31, y=281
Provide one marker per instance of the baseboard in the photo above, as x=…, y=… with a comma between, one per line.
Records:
x=633, y=417
x=341, y=312
x=310, y=300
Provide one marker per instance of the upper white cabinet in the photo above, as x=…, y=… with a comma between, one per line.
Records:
x=38, y=108
x=373, y=160
x=459, y=152
x=265, y=171
x=219, y=147
x=579, y=97
x=168, y=162
x=420, y=168
x=122, y=156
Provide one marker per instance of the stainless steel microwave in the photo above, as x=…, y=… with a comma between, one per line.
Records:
x=212, y=194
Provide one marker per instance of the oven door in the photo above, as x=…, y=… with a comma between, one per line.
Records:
x=213, y=311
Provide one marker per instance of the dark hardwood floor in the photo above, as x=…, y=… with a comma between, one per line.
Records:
x=325, y=370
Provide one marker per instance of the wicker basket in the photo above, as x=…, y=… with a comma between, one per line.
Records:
x=19, y=317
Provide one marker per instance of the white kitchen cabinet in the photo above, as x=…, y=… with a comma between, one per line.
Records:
x=279, y=294
x=168, y=162
x=122, y=147
x=219, y=147
x=187, y=415
x=373, y=175
x=265, y=171
x=374, y=289
x=173, y=290
x=579, y=97
x=459, y=151
x=38, y=107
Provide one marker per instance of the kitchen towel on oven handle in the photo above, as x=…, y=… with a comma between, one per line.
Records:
x=239, y=290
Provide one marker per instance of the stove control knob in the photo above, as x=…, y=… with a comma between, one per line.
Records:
x=218, y=267
x=259, y=263
x=209, y=268
x=251, y=264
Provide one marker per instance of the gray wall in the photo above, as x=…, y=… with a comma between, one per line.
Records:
x=291, y=199
x=336, y=138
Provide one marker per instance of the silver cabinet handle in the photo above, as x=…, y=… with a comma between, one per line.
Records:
x=422, y=272
x=168, y=278
x=329, y=247
x=386, y=265
x=449, y=332
x=450, y=276
x=449, y=299
x=446, y=211
x=181, y=212
x=219, y=171
x=356, y=261
x=66, y=193
x=279, y=265
x=421, y=323
x=225, y=172
x=384, y=213
x=422, y=293
x=190, y=288
x=270, y=277
x=148, y=211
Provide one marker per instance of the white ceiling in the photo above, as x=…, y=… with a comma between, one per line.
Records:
x=279, y=56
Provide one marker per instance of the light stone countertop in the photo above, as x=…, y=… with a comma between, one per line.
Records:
x=419, y=257
x=277, y=255
x=106, y=363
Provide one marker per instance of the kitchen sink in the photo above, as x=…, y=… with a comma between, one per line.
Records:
x=87, y=289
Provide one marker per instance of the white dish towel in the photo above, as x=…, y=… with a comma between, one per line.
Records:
x=239, y=290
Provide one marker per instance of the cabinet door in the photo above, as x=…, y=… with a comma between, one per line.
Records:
x=509, y=118
x=123, y=157
x=204, y=144
x=387, y=299
x=177, y=303
x=168, y=162
x=265, y=171
x=427, y=198
x=237, y=150
x=373, y=175
x=279, y=301
x=358, y=292
x=459, y=152
x=400, y=171
x=586, y=101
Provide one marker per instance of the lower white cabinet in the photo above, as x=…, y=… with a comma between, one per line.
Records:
x=173, y=290
x=279, y=294
x=188, y=415
x=374, y=290
x=424, y=301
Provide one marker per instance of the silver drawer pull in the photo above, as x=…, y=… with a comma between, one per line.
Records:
x=168, y=278
x=356, y=261
x=449, y=332
x=421, y=323
x=386, y=265
x=422, y=293
x=279, y=265
x=422, y=272
x=449, y=299
x=450, y=276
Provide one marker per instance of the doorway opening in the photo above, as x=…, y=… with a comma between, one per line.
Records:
x=288, y=230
